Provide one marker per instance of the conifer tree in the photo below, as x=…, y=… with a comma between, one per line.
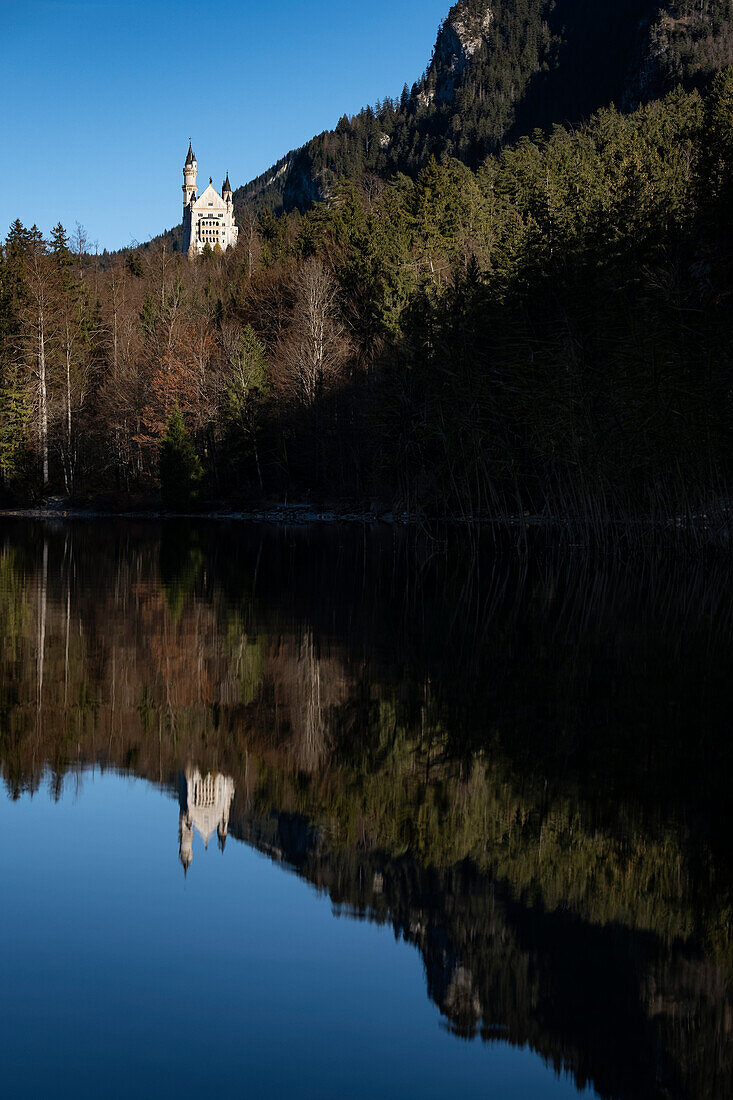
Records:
x=246, y=396
x=181, y=471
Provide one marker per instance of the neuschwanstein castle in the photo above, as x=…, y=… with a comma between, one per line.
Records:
x=208, y=219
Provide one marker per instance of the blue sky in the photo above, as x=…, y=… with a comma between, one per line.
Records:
x=101, y=96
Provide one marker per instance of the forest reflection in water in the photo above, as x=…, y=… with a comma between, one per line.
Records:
x=522, y=764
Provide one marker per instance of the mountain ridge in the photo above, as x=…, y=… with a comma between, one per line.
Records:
x=499, y=70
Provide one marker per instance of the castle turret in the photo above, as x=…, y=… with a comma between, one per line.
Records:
x=185, y=842
x=226, y=191
x=190, y=172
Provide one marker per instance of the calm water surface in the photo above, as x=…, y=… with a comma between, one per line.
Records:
x=326, y=814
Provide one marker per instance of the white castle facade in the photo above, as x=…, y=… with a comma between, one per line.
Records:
x=205, y=801
x=208, y=219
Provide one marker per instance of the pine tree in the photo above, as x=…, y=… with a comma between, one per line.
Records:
x=246, y=398
x=180, y=467
x=60, y=246
x=16, y=408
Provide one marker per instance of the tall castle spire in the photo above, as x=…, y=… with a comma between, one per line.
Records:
x=190, y=172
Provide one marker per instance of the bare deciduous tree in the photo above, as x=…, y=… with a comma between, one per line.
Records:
x=36, y=332
x=312, y=355
x=249, y=238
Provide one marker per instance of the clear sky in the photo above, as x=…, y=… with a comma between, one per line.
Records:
x=101, y=96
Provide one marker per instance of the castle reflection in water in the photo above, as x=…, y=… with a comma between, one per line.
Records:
x=205, y=802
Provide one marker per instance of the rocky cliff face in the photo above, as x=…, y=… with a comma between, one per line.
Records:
x=463, y=33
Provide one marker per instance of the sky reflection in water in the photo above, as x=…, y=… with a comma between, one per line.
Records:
x=123, y=977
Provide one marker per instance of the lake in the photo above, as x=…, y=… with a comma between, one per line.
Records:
x=360, y=812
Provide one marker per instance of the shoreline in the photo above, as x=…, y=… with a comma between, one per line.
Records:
x=302, y=514
x=701, y=527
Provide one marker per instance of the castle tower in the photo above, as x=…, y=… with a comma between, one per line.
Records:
x=190, y=171
x=185, y=842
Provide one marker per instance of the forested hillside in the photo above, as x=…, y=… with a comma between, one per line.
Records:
x=477, y=321
x=502, y=68
x=550, y=333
